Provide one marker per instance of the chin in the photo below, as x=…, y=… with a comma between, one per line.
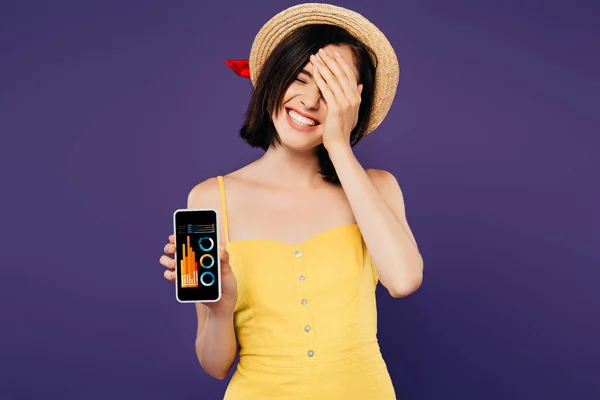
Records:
x=296, y=136
x=292, y=140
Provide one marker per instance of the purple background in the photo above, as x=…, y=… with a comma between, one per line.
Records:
x=111, y=111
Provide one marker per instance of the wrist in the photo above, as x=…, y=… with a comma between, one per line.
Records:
x=336, y=150
x=221, y=312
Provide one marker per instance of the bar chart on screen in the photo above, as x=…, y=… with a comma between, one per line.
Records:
x=188, y=266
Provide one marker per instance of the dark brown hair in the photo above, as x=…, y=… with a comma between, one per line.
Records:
x=282, y=67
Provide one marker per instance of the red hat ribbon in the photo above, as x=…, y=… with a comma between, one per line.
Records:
x=240, y=67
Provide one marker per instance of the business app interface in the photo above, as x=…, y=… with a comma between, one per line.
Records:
x=197, y=255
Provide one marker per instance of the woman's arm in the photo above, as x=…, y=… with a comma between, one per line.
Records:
x=378, y=207
x=377, y=203
x=216, y=345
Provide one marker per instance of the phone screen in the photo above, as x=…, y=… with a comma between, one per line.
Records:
x=197, y=255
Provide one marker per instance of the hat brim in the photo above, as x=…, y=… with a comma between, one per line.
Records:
x=387, y=72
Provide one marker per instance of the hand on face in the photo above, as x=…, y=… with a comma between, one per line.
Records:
x=337, y=82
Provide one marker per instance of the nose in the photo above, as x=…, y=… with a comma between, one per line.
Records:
x=311, y=97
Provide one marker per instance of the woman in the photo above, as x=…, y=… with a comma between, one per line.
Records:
x=307, y=232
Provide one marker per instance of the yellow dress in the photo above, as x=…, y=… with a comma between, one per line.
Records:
x=306, y=318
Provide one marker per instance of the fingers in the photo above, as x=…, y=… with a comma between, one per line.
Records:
x=343, y=71
x=345, y=66
x=325, y=77
x=224, y=259
x=224, y=254
x=340, y=69
x=169, y=248
x=169, y=275
x=167, y=262
x=325, y=89
x=335, y=69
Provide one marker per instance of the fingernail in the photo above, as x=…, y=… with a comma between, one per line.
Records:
x=321, y=51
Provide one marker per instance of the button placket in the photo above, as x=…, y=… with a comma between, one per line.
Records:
x=303, y=292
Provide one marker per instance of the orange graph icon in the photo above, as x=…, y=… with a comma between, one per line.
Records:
x=188, y=266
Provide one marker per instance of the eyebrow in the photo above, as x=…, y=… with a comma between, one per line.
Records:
x=306, y=72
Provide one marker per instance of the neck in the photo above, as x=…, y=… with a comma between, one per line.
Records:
x=285, y=167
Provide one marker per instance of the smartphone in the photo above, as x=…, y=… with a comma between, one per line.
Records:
x=197, y=261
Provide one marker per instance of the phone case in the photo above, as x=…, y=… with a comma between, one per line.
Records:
x=197, y=261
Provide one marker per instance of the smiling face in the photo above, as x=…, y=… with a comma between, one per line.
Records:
x=300, y=120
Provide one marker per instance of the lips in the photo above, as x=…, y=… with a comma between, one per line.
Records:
x=298, y=127
x=317, y=122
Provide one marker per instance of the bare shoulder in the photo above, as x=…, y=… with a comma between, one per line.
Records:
x=382, y=179
x=204, y=194
x=387, y=185
x=207, y=194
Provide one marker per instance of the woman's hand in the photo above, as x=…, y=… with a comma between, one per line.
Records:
x=337, y=83
x=228, y=281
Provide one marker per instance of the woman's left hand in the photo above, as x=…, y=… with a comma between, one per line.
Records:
x=337, y=83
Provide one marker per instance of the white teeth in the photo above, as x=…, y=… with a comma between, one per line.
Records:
x=300, y=119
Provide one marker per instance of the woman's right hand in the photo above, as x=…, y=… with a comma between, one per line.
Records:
x=228, y=282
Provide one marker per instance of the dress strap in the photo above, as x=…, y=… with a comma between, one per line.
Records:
x=224, y=207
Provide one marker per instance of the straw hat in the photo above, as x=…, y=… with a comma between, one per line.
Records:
x=387, y=71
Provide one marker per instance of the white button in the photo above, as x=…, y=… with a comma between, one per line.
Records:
x=304, y=302
x=311, y=353
x=307, y=328
x=301, y=278
x=298, y=254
